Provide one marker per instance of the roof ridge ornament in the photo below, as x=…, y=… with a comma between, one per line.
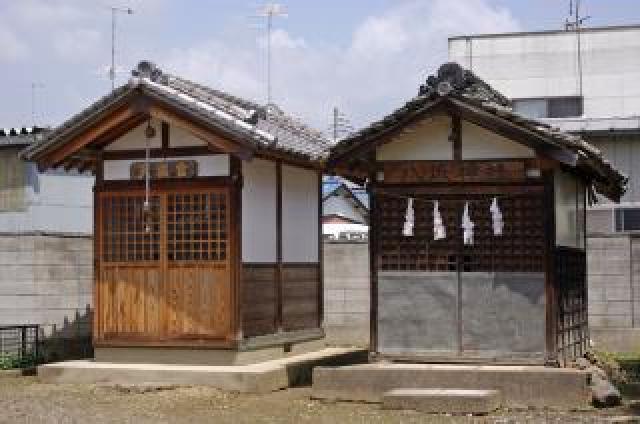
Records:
x=149, y=70
x=452, y=78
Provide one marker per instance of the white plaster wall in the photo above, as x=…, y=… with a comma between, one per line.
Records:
x=479, y=143
x=136, y=139
x=208, y=166
x=566, y=200
x=259, y=199
x=179, y=137
x=428, y=140
x=299, y=214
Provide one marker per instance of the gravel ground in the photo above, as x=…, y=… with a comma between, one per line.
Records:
x=25, y=400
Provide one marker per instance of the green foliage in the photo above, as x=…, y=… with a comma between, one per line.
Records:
x=10, y=361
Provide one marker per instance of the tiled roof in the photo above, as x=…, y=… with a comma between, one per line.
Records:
x=20, y=136
x=263, y=127
x=461, y=88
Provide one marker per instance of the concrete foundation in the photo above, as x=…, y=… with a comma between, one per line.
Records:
x=255, y=378
x=438, y=401
x=215, y=357
x=520, y=386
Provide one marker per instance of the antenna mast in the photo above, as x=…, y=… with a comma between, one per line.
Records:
x=34, y=87
x=574, y=22
x=112, y=69
x=270, y=11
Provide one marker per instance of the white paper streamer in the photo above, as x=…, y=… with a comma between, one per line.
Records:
x=496, y=217
x=407, y=229
x=467, y=226
x=439, y=230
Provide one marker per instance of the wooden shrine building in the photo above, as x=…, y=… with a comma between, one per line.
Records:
x=207, y=220
x=515, y=295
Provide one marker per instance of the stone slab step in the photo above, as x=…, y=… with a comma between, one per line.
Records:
x=439, y=401
x=519, y=386
x=262, y=377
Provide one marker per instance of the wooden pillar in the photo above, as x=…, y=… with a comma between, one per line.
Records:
x=551, y=294
x=278, y=285
x=236, y=224
x=373, y=256
x=320, y=256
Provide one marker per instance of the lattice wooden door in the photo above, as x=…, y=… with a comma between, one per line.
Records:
x=163, y=275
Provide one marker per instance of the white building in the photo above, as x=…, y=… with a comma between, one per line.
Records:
x=587, y=83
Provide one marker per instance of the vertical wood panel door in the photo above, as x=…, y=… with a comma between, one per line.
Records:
x=163, y=276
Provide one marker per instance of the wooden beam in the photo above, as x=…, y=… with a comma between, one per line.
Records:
x=165, y=135
x=115, y=133
x=160, y=153
x=85, y=138
x=234, y=147
x=456, y=136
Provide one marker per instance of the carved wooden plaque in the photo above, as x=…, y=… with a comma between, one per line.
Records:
x=453, y=171
x=166, y=169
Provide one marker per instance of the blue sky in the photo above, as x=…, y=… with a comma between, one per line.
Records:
x=365, y=57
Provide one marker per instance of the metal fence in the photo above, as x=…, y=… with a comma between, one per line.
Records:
x=19, y=346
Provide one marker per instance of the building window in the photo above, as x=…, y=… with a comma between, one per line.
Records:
x=549, y=107
x=627, y=219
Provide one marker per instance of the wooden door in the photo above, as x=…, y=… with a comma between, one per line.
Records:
x=163, y=277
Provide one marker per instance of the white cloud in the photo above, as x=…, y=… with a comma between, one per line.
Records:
x=76, y=44
x=383, y=64
x=12, y=49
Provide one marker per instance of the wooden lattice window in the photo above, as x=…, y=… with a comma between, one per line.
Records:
x=519, y=249
x=124, y=236
x=197, y=226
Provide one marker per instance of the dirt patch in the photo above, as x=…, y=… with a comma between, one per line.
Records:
x=25, y=400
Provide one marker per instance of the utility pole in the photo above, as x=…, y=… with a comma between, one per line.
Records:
x=340, y=125
x=270, y=11
x=114, y=12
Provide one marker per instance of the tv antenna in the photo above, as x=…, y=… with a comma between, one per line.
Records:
x=340, y=125
x=114, y=11
x=270, y=11
x=574, y=23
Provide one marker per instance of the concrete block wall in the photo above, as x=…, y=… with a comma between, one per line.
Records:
x=346, y=293
x=47, y=280
x=613, y=272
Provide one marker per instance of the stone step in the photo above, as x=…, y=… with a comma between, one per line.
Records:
x=440, y=401
x=519, y=386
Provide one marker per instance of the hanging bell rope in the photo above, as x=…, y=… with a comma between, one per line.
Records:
x=149, y=133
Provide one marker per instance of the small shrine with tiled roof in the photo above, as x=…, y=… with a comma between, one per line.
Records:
x=207, y=220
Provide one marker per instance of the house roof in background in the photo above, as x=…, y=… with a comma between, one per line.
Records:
x=332, y=184
x=455, y=88
x=22, y=136
x=264, y=127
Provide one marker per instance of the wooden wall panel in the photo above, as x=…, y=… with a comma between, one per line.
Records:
x=259, y=299
x=301, y=288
